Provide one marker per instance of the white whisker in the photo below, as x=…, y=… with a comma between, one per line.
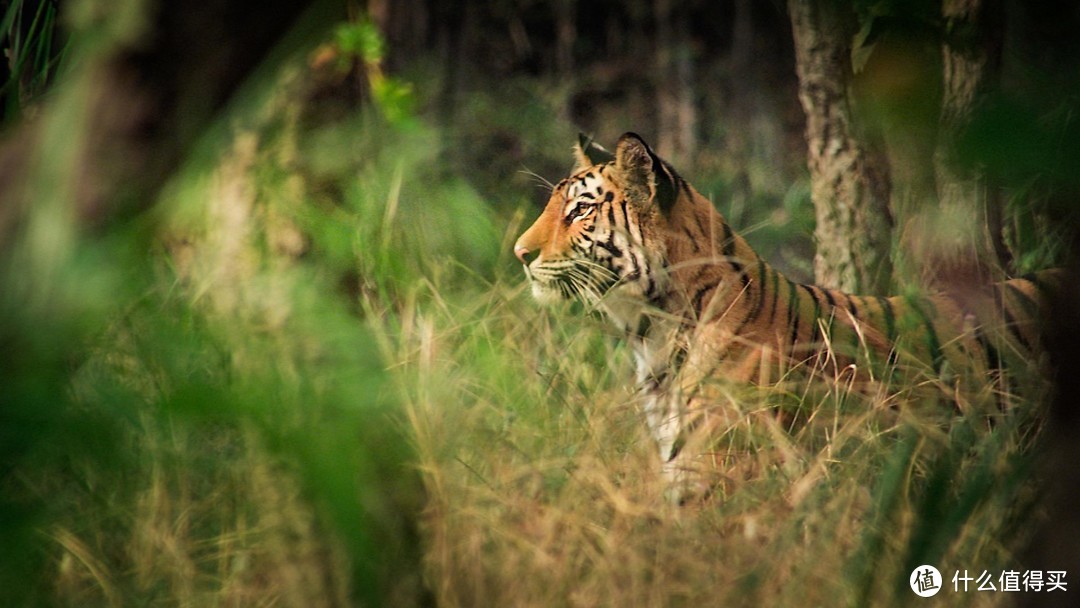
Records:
x=540, y=179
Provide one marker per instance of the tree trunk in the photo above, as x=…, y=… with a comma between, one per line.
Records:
x=849, y=182
x=971, y=61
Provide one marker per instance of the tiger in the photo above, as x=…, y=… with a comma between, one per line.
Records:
x=626, y=235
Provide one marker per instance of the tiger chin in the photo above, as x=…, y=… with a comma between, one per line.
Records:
x=625, y=234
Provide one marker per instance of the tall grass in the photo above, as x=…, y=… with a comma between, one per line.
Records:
x=545, y=489
x=34, y=48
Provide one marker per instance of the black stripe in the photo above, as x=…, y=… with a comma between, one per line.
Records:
x=636, y=272
x=1030, y=307
x=852, y=307
x=854, y=310
x=890, y=319
x=700, y=228
x=644, y=324
x=1033, y=278
x=1046, y=289
x=993, y=357
x=775, y=295
x=932, y=341
x=700, y=272
x=699, y=296
x=743, y=277
x=830, y=314
x=650, y=292
x=815, y=330
x=828, y=297
x=729, y=240
x=760, y=305
x=753, y=312
x=568, y=215
x=626, y=219
x=1014, y=329
x=1010, y=321
x=666, y=184
x=792, y=313
x=677, y=446
x=890, y=327
x=610, y=247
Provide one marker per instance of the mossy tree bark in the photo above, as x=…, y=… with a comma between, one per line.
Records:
x=849, y=180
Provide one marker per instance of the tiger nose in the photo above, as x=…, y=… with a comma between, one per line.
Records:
x=522, y=254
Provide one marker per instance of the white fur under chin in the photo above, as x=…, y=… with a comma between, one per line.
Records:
x=546, y=296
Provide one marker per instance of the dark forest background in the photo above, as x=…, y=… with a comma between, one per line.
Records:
x=711, y=85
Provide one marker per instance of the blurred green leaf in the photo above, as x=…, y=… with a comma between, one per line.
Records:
x=396, y=100
x=362, y=39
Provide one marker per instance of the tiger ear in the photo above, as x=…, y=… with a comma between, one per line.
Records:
x=587, y=153
x=640, y=167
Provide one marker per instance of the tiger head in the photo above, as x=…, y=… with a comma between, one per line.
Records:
x=600, y=236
